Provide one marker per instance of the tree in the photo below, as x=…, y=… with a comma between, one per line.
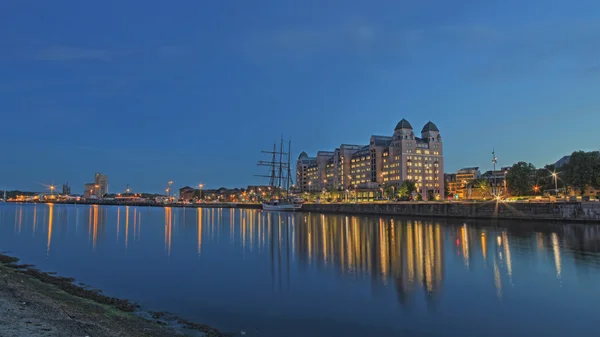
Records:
x=407, y=188
x=482, y=185
x=583, y=170
x=543, y=180
x=520, y=178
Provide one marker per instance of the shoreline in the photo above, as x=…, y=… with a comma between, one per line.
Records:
x=571, y=211
x=34, y=303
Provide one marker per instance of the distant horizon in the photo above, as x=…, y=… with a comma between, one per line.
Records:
x=205, y=187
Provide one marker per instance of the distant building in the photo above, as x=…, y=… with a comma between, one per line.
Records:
x=187, y=193
x=385, y=161
x=302, y=165
x=101, y=184
x=98, y=188
x=66, y=189
x=460, y=183
x=88, y=190
x=496, y=180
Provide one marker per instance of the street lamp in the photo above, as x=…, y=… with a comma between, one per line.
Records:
x=494, y=161
x=169, y=188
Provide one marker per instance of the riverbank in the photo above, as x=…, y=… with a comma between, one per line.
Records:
x=34, y=303
x=575, y=211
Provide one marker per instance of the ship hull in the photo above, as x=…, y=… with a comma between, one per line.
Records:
x=281, y=207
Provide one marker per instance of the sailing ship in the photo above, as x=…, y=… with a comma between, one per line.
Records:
x=280, y=180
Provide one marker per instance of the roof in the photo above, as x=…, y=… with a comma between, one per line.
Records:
x=381, y=140
x=468, y=169
x=362, y=152
x=302, y=155
x=562, y=161
x=430, y=127
x=186, y=188
x=403, y=124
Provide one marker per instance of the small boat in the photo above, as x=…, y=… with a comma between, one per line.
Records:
x=276, y=205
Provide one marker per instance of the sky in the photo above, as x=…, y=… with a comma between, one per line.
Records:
x=191, y=91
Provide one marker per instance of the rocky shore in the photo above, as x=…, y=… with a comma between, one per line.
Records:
x=34, y=303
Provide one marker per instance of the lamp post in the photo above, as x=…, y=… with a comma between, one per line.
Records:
x=494, y=161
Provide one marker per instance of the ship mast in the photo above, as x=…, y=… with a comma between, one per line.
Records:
x=278, y=178
x=289, y=175
x=280, y=165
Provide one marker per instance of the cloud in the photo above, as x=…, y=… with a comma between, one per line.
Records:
x=66, y=53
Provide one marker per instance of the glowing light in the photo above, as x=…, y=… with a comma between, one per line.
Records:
x=50, y=220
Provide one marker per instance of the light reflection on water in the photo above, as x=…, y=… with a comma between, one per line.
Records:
x=279, y=274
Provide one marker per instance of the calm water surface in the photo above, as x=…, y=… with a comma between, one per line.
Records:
x=273, y=275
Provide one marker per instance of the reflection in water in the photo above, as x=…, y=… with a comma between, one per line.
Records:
x=50, y=219
x=95, y=227
x=118, y=223
x=556, y=251
x=497, y=280
x=20, y=218
x=126, y=226
x=507, y=255
x=484, y=246
x=134, y=224
x=34, y=219
x=407, y=254
x=168, y=229
x=465, y=245
x=199, y=219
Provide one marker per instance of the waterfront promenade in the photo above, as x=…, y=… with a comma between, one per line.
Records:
x=577, y=211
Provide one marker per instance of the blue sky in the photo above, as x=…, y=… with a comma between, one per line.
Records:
x=191, y=91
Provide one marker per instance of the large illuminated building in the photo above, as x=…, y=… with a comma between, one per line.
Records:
x=385, y=161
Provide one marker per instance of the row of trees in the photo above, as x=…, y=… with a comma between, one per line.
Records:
x=582, y=171
x=404, y=191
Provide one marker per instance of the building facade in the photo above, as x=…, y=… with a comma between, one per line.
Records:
x=385, y=161
x=460, y=184
x=98, y=188
x=101, y=184
x=187, y=193
x=88, y=190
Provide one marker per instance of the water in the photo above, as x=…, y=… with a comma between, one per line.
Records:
x=274, y=275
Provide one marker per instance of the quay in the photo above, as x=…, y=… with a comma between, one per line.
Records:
x=574, y=211
x=552, y=211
